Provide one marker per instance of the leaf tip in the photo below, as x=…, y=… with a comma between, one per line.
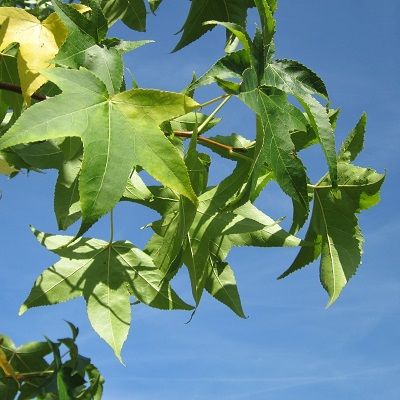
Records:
x=22, y=310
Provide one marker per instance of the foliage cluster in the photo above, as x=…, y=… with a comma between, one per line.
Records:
x=65, y=105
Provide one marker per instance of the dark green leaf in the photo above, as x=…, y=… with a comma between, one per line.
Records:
x=299, y=81
x=274, y=146
x=354, y=143
x=334, y=232
x=234, y=11
x=231, y=66
x=131, y=12
x=221, y=284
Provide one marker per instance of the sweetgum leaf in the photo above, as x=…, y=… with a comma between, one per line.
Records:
x=106, y=275
x=118, y=132
x=334, y=230
x=214, y=230
x=234, y=11
x=38, y=44
x=274, y=145
x=299, y=81
x=83, y=48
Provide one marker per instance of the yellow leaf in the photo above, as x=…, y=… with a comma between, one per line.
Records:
x=5, y=167
x=38, y=44
x=6, y=366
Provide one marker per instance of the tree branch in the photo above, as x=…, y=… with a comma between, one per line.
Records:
x=17, y=89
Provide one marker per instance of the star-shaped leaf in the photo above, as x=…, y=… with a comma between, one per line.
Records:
x=87, y=47
x=118, y=132
x=106, y=275
x=38, y=44
x=213, y=231
x=274, y=146
x=334, y=229
x=299, y=81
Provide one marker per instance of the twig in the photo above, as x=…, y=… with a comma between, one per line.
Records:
x=237, y=151
x=17, y=89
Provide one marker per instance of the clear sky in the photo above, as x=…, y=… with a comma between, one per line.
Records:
x=290, y=347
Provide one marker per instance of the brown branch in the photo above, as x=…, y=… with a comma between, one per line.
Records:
x=201, y=139
x=17, y=89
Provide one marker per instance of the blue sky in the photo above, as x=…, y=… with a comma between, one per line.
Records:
x=290, y=347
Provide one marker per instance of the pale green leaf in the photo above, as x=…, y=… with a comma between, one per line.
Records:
x=106, y=275
x=124, y=132
x=154, y=4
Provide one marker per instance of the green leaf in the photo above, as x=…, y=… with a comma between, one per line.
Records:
x=234, y=11
x=46, y=155
x=334, y=232
x=241, y=146
x=231, y=66
x=154, y=4
x=81, y=49
x=297, y=80
x=214, y=230
x=28, y=357
x=237, y=30
x=293, y=77
x=62, y=388
x=131, y=12
x=171, y=233
x=106, y=275
x=274, y=145
x=66, y=196
x=95, y=26
x=354, y=143
x=9, y=74
x=8, y=388
x=221, y=284
x=188, y=122
x=123, y=132
x=265, y=9
x=95, y=390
